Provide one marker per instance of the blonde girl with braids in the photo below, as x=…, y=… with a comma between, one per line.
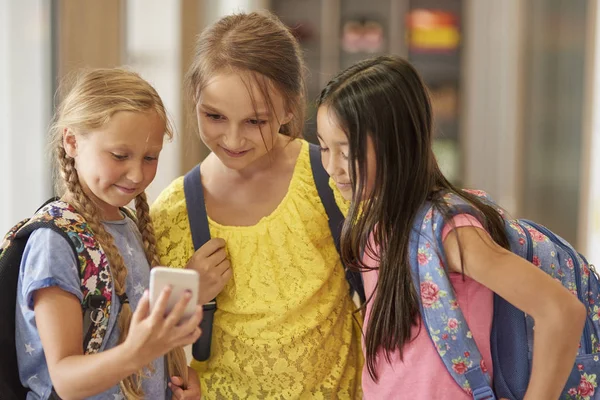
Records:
x=107, y=136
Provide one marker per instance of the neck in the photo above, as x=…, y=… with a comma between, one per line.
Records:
x=107, y=213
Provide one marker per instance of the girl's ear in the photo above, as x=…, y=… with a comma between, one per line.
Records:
x=70, y=142
x=288, y=117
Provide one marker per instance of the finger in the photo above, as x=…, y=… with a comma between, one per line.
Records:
x=216, y=258
x=177, y=380
x=177, y=391
x=222, y=267
x=193, y=394
x=194, y=321
x=160, y=307
x=143, y=308
x=177, y=312
x=228, y=272
x=190, y=330
x=190, y=338
x=188, y=327
x=210, y=247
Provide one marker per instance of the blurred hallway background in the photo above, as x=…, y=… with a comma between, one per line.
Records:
x=515, y=86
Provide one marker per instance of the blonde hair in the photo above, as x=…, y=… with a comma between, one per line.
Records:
x=260, y=45
x=96, y=95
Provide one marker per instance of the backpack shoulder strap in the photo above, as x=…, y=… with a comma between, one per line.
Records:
x=440, y=312
x=196, y=208
x=94, y=271
x=334, y=215
x=198, y=219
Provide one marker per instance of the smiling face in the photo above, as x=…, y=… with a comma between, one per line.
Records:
x=335, y=153
x=235, y=120
x=118, y=161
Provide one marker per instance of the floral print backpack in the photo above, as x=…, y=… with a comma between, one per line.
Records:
x=94, y=272
x=512, y=330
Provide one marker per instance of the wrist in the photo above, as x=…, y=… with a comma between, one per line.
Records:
x=129, y=358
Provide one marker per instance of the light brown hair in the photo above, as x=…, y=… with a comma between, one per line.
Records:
x=260, y=47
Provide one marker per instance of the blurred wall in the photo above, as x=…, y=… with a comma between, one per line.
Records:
x=153, y=48
x=25, y=107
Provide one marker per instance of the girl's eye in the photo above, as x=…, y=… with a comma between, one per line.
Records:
x=150, y=159
x=344, y=156
x=323, y=149
x=257, y=122
x=119, y=157
x=214, y=117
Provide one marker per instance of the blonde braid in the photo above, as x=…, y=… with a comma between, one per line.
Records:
x=131, y=386
x=144, y=223
x=176, y=359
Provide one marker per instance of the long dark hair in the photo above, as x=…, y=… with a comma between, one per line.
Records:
x=385, y=99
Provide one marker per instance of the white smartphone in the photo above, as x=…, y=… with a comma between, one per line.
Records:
x=180, y=280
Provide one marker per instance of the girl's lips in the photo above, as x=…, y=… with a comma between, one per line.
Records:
x=235, y=154
x=343, y=186
x=126, y=190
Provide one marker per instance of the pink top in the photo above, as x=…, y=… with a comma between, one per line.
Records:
x=422, y=374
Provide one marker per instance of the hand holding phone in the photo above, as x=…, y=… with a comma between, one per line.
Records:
x=180, y=281
x=166, y=317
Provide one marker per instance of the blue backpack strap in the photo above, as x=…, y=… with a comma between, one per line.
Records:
x=334, y=215
x=196, y=209
x=440, y=312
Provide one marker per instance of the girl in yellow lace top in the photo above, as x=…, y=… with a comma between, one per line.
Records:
x=285, y=326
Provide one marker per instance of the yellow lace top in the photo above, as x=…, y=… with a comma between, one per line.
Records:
x=285, y=327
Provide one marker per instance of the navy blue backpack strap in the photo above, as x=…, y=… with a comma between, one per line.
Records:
x=194, y=199
x=335, y=216
x=196, y=208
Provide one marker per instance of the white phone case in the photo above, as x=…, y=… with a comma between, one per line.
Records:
x=180, y=280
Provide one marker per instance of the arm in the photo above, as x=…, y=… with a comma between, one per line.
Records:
x=559, y=316
x=151, y=336
x=62, y=340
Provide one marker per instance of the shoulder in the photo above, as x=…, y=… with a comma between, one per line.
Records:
x=49, y=260
x=171, y=225
x=46, y=240
x=54, y=232
x=170, y=202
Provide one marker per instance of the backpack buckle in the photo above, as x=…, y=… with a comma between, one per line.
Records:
x=484, y=393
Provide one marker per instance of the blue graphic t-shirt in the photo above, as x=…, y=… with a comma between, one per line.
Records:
x=49, y=261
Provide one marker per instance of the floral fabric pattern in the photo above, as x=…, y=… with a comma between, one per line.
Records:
x=445, y=322
x=93, y=266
